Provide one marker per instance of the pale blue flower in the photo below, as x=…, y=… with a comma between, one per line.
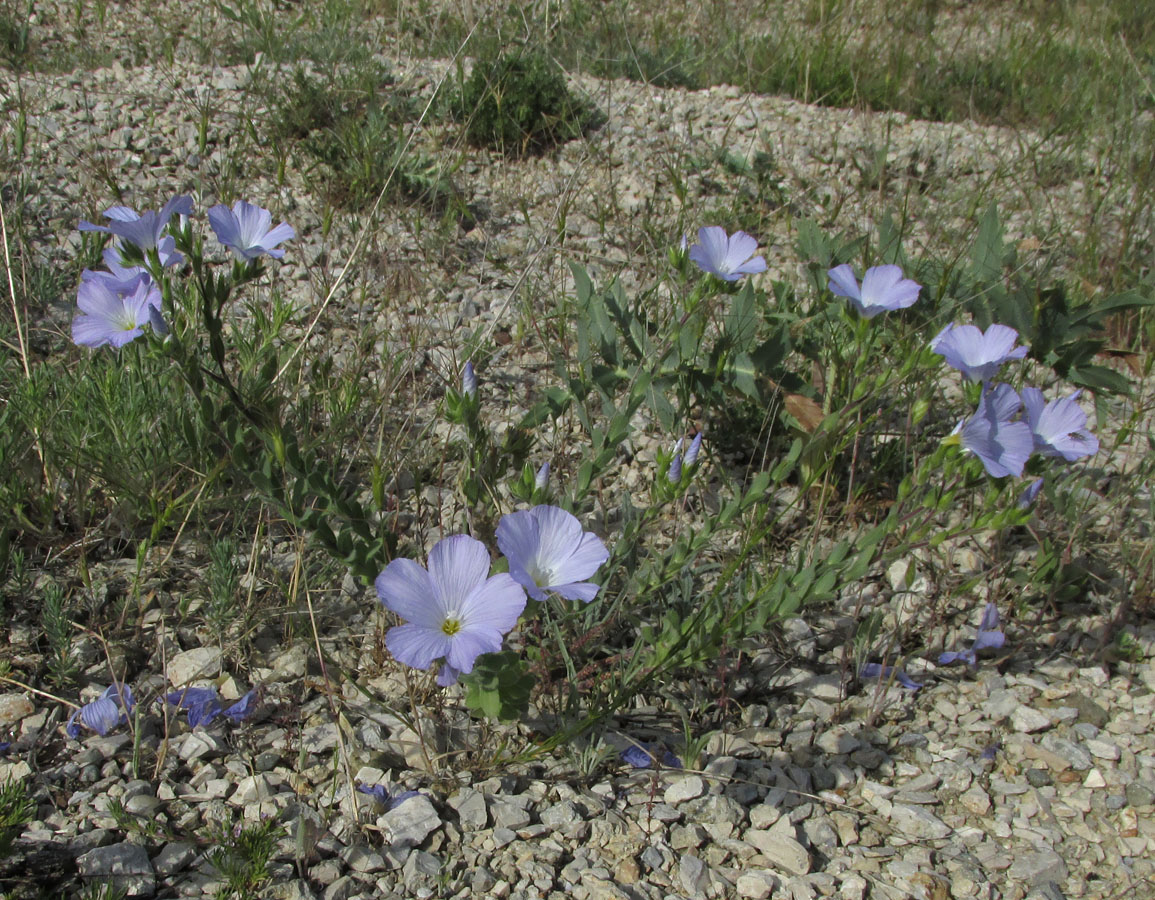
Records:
x=883, y=289
x=548, y=551
x=469, y=381
x=381, y=794
x=886, y=673
x=643, y=755
x=989, y=637
x=103, y=714
x=114, y=312
x=691, y=457
x=145, y=230
x=1059, y=427
x=1028, y=496
x=727, y=257
x=541, y=479
x=204, y=704
x=674, y=473
x=977, y=354
x=453, y=611
x=247, y=230
x=1003, y=445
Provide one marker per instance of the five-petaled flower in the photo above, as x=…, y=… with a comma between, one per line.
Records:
x=104, y=713
x=883, y=289
x=247, y=230
x=145, y=230
x=548, y=551
x=115, y=312
x=1059, y=427
x=728, y=257
x=454, y=611
x=1003, y=445
x=977, y=354
x=988, y=637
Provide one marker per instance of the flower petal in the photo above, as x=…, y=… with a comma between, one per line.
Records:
x=457, y=566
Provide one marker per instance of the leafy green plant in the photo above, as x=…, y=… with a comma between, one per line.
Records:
x=518, y=103
x=350, y=127
x=242, y=857
x=1065, y=332
x=16, y=807
x=57, y=624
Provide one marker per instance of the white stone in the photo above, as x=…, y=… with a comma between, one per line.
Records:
x=197, y=664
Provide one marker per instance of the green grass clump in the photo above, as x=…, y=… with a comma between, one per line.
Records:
x=350, y=128
x=518, y=104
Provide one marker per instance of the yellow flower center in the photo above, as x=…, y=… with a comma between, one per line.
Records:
x=451, y=625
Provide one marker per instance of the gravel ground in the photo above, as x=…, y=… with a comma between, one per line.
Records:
x=1031, y=776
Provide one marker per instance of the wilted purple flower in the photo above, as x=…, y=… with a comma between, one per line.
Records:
x=204, y=705
x=243, y=708
x=1003, y=446
x=1027, y=497
x=643, y=755
x=727, y=257
x=379, y=793
x=453, y=611
x=884, y=673
x=977, y=354
x=104, y=713
x=883, y=289
x=144, y=230
x=247, y=230
x=115, y=317
x=469, y=381
x=1059, y=427
x=541, y=479
x=548, y=551
x=989, y=637
x=5, y=746
x=990, y=751
x=695, y=448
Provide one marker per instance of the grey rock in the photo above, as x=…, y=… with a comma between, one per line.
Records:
x=1035, y=868
x=420, y=872
x=688, y=788
x=561, y=815
x=342, y=889
x=471, y=809
x=916, y=821
x=784, y=852
x=1077, y=756
x=174, y=857
x=1089, y=710
x=192, y=665
x=756, y=885
x=482, y=880
x=1028, y=720
x=360, y=858
x=509, y=814
x=124, y=866
x=693, y=875
x=1138, y=794
x=410, y=823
